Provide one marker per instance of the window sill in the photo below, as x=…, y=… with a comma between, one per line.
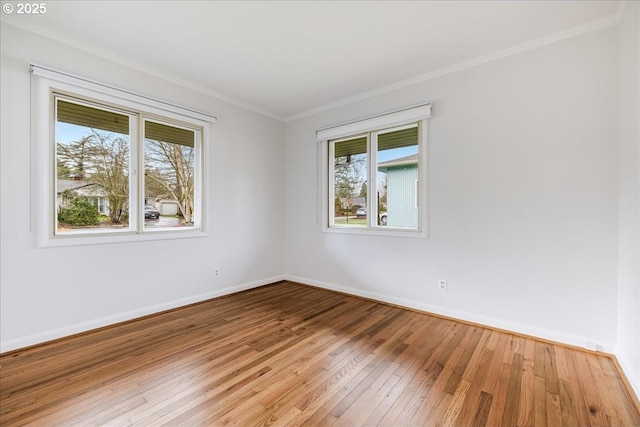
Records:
x=119, y=237
x=387, y=232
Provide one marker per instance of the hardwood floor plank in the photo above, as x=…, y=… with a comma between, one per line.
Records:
x=580, y=378
x=418, y=377
x=463, y=362
x=509, y=416
x=388, y=356
x=482, y=412
x=360, y=411
x=471, y=370
x=540, y=401
x=526, y=405
x=567, y=409
x=317, y=402
x=617, y=402
x=378, y=367
x=354, y=388
x=554, y=411
x=499, y=401
x=422, y=401
x=320, y=373
x=538, y=359
x=455, y=405
x=408, y=365
x=473, y=401
x=289, y=354
x=550, y=372
x=430, y=406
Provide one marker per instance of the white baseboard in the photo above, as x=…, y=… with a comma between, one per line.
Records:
x=546, y=334
x=520, y=328
x=542, y=333
x=632, y=375
x=65, y=331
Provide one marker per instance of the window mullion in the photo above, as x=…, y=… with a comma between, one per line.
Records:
x=422, y=178
x=332, y=197
x=198, y=181
x=372, y=185
x=137, y=182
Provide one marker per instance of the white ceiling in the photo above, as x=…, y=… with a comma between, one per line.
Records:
x=285, y=59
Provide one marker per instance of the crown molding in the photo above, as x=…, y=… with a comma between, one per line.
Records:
x=523, y=47
x=135, y=65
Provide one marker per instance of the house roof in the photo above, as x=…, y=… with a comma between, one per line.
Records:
x=402, y=161
x=71, y=184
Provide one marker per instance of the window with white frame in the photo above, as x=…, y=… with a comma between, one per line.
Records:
x=375, y=173
x=113, y=164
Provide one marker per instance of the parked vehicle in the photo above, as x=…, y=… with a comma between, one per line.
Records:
x=362, y=212
x=151, y=213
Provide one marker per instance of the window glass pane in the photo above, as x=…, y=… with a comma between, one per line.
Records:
x=92, y=168
x=350, y=182
x=397, y=176
x=169, y=169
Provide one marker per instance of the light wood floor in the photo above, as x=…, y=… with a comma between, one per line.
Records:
x=289, y=354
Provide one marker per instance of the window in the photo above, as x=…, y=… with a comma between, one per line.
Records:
x=375, y=172
x=92, y=162
x=170, y=173
x=114, y=166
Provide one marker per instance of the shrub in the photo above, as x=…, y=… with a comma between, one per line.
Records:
x=81, y=211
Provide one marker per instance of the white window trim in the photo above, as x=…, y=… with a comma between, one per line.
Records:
x=150, y=104
x=375, y=123
x=420, y=114
x=44, y=82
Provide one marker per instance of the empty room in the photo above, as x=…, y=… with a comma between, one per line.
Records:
x=367, y=213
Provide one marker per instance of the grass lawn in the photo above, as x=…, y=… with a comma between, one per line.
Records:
x=352, y=221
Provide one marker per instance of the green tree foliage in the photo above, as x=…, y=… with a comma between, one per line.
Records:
x=62, y=171
x=338, y=207
x=363, y=190
x=101, y=158
x=80, y=211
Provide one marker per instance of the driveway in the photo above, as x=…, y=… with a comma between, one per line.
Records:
x=164, y=222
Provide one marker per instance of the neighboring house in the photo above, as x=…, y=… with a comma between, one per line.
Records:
x=164, y=206
x=167, y=207
x=80, y=187
x=402, y=191
x=358, y=201
x=351, y=202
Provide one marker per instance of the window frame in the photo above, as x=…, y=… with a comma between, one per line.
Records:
x=132, y=164
x=46, y=85
x=371, y=127
x=198, y=172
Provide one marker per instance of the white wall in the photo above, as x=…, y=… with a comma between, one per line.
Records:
x=526, y=191
x=628, y=348
x=47, y=293
x=522, y=197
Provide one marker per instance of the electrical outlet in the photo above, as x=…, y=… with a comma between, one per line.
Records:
x=442, y=285
x=216, y=272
